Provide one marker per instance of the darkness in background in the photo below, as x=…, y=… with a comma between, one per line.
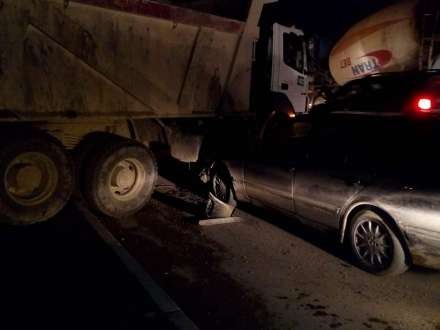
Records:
x=325, y=19
x=329, y=19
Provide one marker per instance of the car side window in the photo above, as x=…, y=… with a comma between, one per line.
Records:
x=292, y=151
x=377, y=94
x=298, y=150
x=347, y=98
x=349, y=91
x=284, y=139
x=329, y=144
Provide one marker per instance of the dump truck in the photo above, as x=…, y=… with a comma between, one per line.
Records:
x=88, y=86
x=401, y=37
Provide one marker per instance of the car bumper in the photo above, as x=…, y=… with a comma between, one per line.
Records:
x=424, y=246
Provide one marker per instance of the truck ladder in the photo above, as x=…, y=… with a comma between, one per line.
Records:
x=430, y=39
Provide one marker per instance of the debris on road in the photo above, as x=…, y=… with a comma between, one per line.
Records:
x=220, y=221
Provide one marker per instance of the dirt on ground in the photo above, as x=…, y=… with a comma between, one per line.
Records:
x=268, y=272
x=188, y=264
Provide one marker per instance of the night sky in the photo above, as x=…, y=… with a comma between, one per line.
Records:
x=330, y=18
x=327, y=18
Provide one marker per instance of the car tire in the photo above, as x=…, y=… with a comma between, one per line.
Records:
x=376, y=246
x=221, y=202
x=221, y=187
x=37, y=178
x=120, y=178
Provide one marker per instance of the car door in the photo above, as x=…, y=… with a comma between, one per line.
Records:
x=270, y=177
x=269, y=183
x=289, y=66
x=328, y=180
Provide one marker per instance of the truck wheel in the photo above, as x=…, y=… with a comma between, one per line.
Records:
x=37, y=179
x=120, y=178
x=89, y=146
x=375, y=245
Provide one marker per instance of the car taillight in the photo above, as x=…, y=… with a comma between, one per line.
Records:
x=424, y=104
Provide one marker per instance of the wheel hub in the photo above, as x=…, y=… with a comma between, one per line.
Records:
x=373, y=244
x=126, y=179
x=31, y=178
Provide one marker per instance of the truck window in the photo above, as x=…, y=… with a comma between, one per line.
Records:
x=294, y=51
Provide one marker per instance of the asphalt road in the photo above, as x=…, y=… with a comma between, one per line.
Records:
x=269, y=273
x=61, y=275
x=263, y=273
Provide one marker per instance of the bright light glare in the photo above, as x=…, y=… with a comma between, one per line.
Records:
x=424, y=104
x=292, y=115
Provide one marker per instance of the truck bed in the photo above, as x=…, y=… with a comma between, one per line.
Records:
x=110, y=58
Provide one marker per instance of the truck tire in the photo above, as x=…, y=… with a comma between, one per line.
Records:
x=37, y=179
x=90, y=145
x=120, y=178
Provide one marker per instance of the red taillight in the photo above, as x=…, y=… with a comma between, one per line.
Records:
x=424, y=104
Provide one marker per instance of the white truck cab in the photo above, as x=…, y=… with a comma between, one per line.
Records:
x=289, y=66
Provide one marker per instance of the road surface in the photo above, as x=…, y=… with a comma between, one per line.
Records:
x=263, y=273
x=61, y=275
x=268, y=272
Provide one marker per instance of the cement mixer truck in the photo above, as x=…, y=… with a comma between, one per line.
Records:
x=402, y=37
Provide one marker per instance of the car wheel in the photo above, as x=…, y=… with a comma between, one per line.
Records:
x=221, y=188
x=221, y=203
x=375, y=246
